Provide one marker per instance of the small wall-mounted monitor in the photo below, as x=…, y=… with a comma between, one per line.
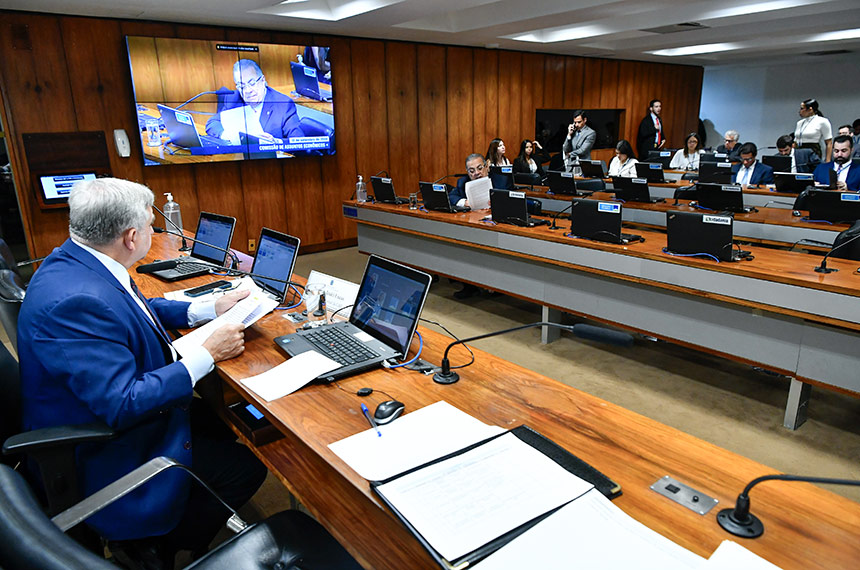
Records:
x=54, y=189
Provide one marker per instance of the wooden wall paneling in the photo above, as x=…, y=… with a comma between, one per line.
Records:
x=369, y=106
x=460, y=94
x=402, y=93
x=144, y=61
x=553, y=82
x=339, y=171
x=264, y=196
x=531, y=98
x=592, y=80
x=626, y=98
x=485, y=98
x=611, y=85
x=510, y=96
x=432, y=113
x=179, y=180
x=574, y=67
x=305, y=209
x=219, y=190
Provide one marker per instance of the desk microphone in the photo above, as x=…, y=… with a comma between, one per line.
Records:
x=177, y=228
x=448, y=176
x=590, y=332
x=557, y=214
x=147, y=268
x=222, y=91
x=382, y=172
x=822, y=268
x=740, y=522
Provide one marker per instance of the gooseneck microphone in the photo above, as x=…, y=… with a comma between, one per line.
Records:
x=590, y=332
x=741, y=522
x=557, y=214
x=177, y=228
x=448, y=176
x=822, y=268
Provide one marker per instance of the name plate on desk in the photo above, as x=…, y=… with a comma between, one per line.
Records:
x=350, y=212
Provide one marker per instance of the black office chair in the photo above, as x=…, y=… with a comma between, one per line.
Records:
x=591, y=185
x=11, y=297
x=287, y=540
x=849, y=250
x=802, y=200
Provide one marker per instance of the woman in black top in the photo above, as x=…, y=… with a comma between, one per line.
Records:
x=530, y=158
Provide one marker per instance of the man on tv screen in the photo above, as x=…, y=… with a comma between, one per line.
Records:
x=255, y=108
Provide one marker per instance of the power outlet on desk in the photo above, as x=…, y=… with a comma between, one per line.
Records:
x=252, y=245
x=684, y=495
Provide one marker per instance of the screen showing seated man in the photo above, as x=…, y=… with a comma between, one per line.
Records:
x=208, y=101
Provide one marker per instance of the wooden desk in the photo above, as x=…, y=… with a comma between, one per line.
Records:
x=774, y=312
x=806, y=527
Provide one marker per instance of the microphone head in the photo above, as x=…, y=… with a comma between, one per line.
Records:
x=157, y=266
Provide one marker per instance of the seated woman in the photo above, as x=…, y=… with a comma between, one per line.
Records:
x=530, y=158
x=687, y=158
x=496, y=154
x=623, y=165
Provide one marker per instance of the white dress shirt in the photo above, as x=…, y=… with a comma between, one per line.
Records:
x=626, y=170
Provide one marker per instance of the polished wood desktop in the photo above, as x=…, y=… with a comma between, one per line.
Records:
x=774, y=311
x=806, y=526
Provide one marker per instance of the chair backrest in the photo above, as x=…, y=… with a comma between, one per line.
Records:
x=11, y=297
x=556, y=162
x=7, y=257
x=800, y=203
x=849, y=250
x=10, y=404
x=30, y=539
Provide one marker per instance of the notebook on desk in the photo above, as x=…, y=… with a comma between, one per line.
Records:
x=383, y=191
x=650, y=171
x=213, y=229
x=380, y=326
x=633, y=190
x=694, y=233
x=511, y=207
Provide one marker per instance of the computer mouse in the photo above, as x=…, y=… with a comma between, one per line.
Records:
x=795, y=212
x=388, y=411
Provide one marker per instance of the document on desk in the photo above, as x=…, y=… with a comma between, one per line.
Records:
x=247, y=312
x=459, y=505
x=414, y=439
x=730, y=555
x=288, y=377
x=478, y=193
x=591, y=532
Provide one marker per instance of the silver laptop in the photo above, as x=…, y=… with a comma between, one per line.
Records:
x=274, y=262
x=212, y=230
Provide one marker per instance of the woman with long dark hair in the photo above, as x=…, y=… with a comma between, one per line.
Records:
x=530, y=158
x=496, y=154
x=813, y=129
x=623, y=165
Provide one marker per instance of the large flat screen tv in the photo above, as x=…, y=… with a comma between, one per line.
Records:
x=208, y=101
x=551, y=126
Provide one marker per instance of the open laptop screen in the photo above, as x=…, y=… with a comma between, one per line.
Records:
x=276, y=257
x=389, y=302
x=213, y=229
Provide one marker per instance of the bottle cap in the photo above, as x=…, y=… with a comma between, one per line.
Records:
x=169, y=196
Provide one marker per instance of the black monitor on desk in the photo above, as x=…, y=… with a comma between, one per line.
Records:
x=664, y=157
x=502, y=177
x=720, y=197
x=651, y=171
x=631, y=189
x=560, y=182
x=592, y=168
x=791, y=182
x=833, y=206
x=779, y=162
x=714, y=157
x=715, y=172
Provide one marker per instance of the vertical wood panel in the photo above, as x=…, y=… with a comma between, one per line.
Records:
x=264, y=195
x=459, y=105
x=553, y=82
x=432, y=113
x=302, y=191
x=369, y=106
x=510, y=96
x=532, y=98
x=592, y=81
x=485, y=106
x=402, y=86
x=573, y=82
x=218, y=190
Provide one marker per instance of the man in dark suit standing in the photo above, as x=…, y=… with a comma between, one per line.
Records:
x=750, y=172
x=802, y=159
x=93, y=349
x=650, y=136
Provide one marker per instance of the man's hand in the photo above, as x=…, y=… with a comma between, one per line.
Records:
x=570, y=129
x=662, y=143
x=226, y=342
x=226, y=302
x=841, y=186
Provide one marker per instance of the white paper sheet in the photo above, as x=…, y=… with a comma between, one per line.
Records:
x=462, y=503
x=478, y=193
x=414, y=439
x=591, y=532
x=288, y=377
x=730, y=555
x=247, y=311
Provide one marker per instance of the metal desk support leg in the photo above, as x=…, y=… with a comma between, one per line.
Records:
x=798, y=402
x=549, y=334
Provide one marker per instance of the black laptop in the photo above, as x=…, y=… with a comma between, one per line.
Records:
x=383, y=191
x=306, y=82
x=650, y=171
x=560, y=182
x=380, y=326
x=213, y=229
x=598, y=220
x=792, y=183
x=664, y=157
x=713, y=157
x=592, y=168
x=833, y=206
x=779, y=162
x=435, y=197
x=715, y=172
x=633, y=190
x=511, y=207
x=722, y=197
x=275, y=259
x=182, y=130
x=694, y=233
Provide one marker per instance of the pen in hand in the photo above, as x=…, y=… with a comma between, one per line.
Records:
x=366, y=413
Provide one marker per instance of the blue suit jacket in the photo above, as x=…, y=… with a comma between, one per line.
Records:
x=88, y=353
x=762, y=173
x=278, y=116
x=822, y=175
x=458, y=192
x=805, y=159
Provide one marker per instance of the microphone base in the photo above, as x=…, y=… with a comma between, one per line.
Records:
x=820, y=269
x=750, y=529
x=184, y=248
x=446, y=377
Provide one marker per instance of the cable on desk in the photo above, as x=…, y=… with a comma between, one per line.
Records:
x=491, y=222
x=806, y=219
x=810, y=241
x=415, y=358
x=295, y=293
x=337, y=311
x=452, y=335
x=667, y=252
x=698, y=207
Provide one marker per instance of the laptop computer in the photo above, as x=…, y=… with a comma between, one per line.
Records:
x=633, y=190
x=694, y=233
x=306, y=81
x=715, y=172
x=592, y=168
x=435, y=197
x=722, y=197
x=502, y=177
x=713, y=157
x=182, y=130
x=792, y=183
x=380, y=326
x=275, y=258
x=560, y=182
x=779, y=162
x=833, y=206
x=383, y=191
x=511, y=207
x=650, y=171
x=251, y=150
x=664, y=157
x=600, y=221
x=213, y=229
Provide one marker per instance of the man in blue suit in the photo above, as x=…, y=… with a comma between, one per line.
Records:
x=476, y=167
x=93, y=349
x=802, y=159
x=847, y=177
x=751, y=172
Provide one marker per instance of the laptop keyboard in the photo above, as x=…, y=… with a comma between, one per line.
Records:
x=339, y=346
x=186, y=268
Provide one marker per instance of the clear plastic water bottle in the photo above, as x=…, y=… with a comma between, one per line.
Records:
x=171, y=211
x=360, y=190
